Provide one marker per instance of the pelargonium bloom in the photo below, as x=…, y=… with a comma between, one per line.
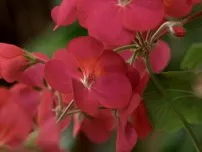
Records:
x=49, y=128
x=14, y=128
x=15, y=66
x=141, y=121
x=126, y=133
x=159, y=58
x=12, y=61
x=112, y=21
x=98, y=75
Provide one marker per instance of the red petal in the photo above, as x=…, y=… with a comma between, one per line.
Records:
x=183, y=8
x=134, y=103
x=141, y=122
x=64, y=14
x=86, y=48
x=142, y=15
x=57, y=76
x=49, y=138
x=160, y=56
x=142, y=84
x=126, y=54
x=105, y=63
x=61, y=54
x=104, y=19
x=14, y=131
x=140, y=65
x=26, y=97
x=5, y=94
x=85, y=9
x=112, y=91
x=10, y=51
x=82, y=100
x=72, y=64
x=41, y=55
x=12, y=69
x=34, y=75
x=98, y=129
x=133, y=76
x=126, y=138
x=126, y=134
x=45, y=108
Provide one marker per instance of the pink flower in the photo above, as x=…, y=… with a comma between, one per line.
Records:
x=14, y=128
x=64, y=14
x=159, y=58
x=98, y=76
x=12, y=62
x=141, y=121
x=49, y=131
x=126, y=133
x=15, y=66
x=114, y=22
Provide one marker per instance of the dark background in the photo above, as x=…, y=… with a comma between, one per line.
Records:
x=21, y=20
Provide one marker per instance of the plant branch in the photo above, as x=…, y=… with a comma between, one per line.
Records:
x=73, y=112
x=191, y=17
x=65, y=111
x=125, y=47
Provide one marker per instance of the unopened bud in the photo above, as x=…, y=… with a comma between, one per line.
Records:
x=177, y=31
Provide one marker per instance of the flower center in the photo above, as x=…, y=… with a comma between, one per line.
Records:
x=88, y=80
x=124, y=2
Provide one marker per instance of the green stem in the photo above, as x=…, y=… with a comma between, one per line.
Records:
x=125, y=47
x=73, y=112
x=189, y=131
x=153, y=78
x=132, y=59
x=63, y=114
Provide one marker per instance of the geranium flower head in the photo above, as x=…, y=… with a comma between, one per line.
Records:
x=115, y=22
x=97, y=75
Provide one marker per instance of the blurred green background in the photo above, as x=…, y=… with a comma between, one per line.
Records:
x=28, y=24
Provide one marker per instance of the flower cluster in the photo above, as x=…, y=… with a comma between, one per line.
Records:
x=97, y=82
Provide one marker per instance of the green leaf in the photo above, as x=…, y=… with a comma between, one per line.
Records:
x=179, y=97
x=193, y=58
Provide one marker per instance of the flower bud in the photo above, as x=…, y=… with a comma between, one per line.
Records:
x=177, y=31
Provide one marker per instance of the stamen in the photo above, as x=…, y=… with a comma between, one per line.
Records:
x=123, y=2
x=88, y=80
